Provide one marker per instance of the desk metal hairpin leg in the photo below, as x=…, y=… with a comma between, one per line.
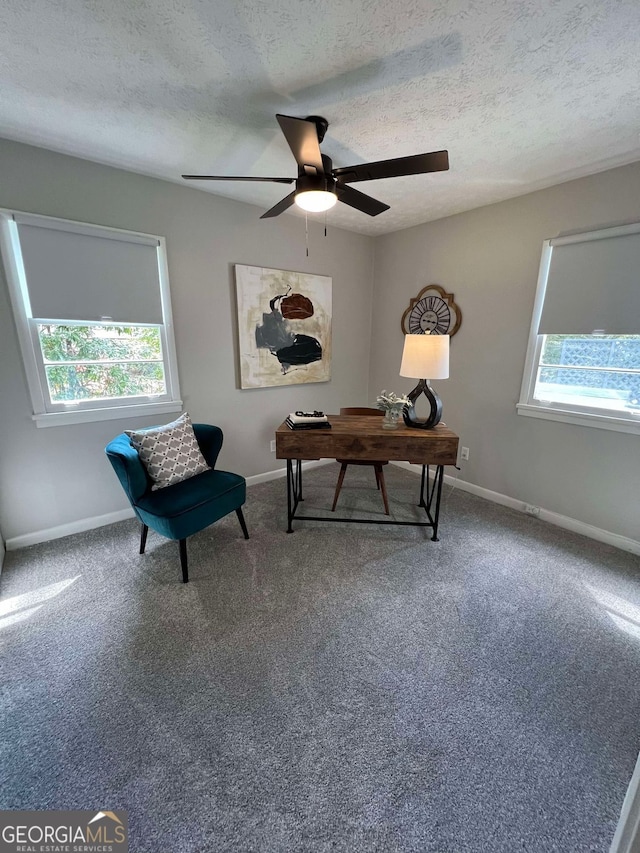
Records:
x=432, y=489
x=294, y=490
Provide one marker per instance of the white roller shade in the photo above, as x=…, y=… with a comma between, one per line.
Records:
x=594, y=284
x=88, y=273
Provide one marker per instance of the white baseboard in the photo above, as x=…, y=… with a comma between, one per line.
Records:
x=121, y=515
x=68, y=529
x=282, y=472
x=622, y=542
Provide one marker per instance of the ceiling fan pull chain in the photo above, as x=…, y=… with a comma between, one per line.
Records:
x=325, y=223
x=306, y=231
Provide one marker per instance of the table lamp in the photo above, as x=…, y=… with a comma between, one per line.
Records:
x=424, y=356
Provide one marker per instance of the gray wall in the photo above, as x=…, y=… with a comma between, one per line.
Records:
x=58, y=475
x=489, y=259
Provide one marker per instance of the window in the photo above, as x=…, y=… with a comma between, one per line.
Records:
x=93, y=315
x=583, y=359
x=597, y=371
x=96, y=363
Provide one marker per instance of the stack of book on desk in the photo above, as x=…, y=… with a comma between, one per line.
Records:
x=308, y=420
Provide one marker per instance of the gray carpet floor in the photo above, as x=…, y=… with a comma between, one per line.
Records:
x=343, y=688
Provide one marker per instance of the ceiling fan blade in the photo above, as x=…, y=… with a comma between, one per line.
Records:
x=418, y=164
x=227, y=178
x=302, y=136
x=360, y=201
x=280, y=207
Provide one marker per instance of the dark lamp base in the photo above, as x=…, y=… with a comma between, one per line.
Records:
x=435, y=404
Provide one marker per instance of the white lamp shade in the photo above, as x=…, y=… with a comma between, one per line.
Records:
x=425, y=357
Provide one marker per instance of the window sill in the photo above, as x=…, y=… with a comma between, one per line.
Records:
x=627, y=424
x=112, y=413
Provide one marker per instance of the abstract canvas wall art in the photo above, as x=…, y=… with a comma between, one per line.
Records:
x=284, y=326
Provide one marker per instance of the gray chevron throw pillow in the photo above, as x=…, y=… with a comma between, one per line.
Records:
x=170, y=453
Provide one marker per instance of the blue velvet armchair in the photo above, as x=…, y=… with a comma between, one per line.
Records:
x=180, y=510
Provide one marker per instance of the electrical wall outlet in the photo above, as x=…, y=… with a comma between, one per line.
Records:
x=272, y=445
x=532, y=509
x=464, y=454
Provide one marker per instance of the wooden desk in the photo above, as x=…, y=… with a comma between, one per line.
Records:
x=361, y=437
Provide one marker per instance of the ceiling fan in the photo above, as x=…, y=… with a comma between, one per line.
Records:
x=318, y=185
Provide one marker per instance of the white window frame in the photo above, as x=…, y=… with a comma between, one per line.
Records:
x=45, y=412
x=564, y=412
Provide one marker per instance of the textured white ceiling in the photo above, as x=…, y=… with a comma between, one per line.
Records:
x=523, y=93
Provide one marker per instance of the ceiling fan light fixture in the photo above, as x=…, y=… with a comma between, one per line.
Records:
x=316, y=201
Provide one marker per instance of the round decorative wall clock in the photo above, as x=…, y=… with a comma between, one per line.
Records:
x=433, y=311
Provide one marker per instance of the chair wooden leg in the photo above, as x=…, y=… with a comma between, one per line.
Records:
x=383, y=488
x=339, y=485
x=183, y=560
x=242, y=523
x=376, y=468
x=143, y=538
